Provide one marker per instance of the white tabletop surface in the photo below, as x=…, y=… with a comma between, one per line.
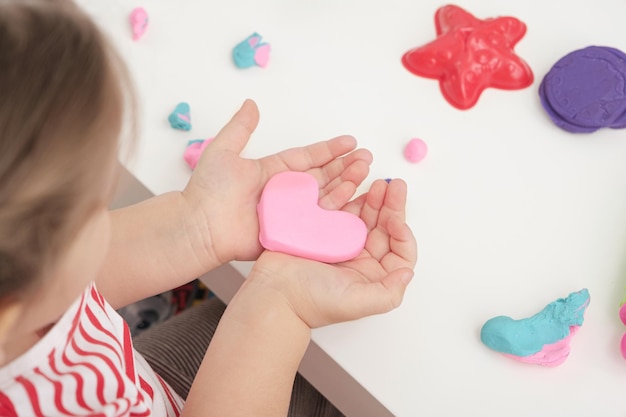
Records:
x=510, y=212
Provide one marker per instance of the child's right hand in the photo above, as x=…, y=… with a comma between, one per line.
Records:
x=372, y=283
x=225, y=188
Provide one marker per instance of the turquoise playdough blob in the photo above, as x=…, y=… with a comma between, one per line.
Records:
x=182, y=109
x=243, y=52
x=528, y=336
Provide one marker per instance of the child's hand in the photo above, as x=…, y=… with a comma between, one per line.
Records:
x=265, y=330
x=372, y=283
x=225, y=188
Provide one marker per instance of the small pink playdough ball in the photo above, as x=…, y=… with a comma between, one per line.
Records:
x=415, y=150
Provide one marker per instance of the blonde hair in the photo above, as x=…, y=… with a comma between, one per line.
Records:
x=63, y=100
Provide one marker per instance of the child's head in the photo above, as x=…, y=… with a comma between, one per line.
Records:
x=63, y=94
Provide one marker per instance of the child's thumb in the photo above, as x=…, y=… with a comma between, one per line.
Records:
x=395, y=284
x=386, y=295
x=234, y=136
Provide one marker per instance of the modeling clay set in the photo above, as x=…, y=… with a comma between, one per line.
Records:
x=583, y=91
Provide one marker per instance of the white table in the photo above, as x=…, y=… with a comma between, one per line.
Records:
x=510, y=212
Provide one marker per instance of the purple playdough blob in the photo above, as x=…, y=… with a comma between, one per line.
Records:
x=586, y=90
x=556, y=117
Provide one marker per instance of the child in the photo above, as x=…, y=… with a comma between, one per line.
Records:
x=66, y=263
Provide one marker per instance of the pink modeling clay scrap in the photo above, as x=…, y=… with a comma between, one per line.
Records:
x=415, y=150
x=543, y=339
x=138, y=22
x=470, y=55
x=251, y=52
x=194, y=150
x=292, y=222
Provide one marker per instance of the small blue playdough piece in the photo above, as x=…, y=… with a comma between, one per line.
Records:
x=180, y=118
x=528, y=336
x=251, y=52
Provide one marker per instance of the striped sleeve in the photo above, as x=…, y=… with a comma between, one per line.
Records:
x=86, y=366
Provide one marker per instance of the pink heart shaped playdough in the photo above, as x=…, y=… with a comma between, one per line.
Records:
x=292, y=222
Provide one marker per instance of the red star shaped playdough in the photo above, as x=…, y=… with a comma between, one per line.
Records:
x=470, y=55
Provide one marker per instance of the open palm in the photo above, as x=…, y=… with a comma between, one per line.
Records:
x=225, y=188
x=374, y=282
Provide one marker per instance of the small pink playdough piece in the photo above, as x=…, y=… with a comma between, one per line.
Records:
x=138, y=22
x=194, y=152
x=551, y=355
x=292, y=222
x=542, y=339
x=262, y=55
x=415, y=150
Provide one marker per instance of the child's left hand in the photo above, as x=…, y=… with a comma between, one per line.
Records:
x=255, y=352
x=372, y=283
x=225, y=188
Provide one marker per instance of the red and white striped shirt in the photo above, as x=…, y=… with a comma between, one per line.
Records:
x=85, y=366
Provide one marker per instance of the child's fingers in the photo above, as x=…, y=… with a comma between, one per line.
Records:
x=373, y=203
x=335, y=194
x=338, y=196
x=402, y=244
x=311, y=156
x=321, y=153
x=395, y=198
x=235, y=135
x=339, y=168
x=355, y=206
